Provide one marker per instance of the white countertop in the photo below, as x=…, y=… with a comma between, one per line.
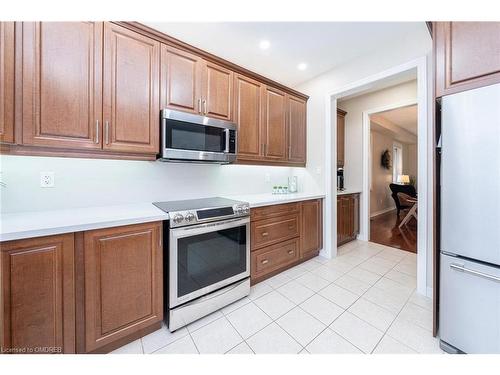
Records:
x=348, y=191
x=257, y=200
x=16, y=226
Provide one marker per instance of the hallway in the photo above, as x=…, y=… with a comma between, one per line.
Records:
x=384, y=230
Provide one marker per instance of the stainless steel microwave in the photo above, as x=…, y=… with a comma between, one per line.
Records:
x=193, y=138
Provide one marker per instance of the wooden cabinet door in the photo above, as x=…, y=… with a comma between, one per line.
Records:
x=340, y=222
x=274, y=125
x=217, y=91
x=61, y=84
x=248, y=117
x=467, y=55
x=6, y=82
x=131, y=101
x=38, y=295
x=181, y=80
x=311, y=233
x=296, y=112
x=123, y=282
x=340, y=137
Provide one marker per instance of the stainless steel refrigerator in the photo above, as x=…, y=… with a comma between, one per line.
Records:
x=469, y=315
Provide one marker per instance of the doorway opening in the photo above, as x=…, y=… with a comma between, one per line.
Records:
x=393, y=163
x=356, y=154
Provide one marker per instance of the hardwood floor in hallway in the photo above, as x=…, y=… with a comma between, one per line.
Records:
x=384, y=230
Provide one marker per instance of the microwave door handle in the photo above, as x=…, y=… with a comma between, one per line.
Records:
x=226, y=133
x=163, y=133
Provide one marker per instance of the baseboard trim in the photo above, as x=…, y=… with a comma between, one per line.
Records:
x=381, y=212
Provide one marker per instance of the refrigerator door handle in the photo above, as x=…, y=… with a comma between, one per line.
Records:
x=461, y=268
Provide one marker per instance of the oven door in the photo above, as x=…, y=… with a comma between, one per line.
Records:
x=207, y=257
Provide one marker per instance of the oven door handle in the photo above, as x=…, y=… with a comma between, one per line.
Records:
x=208, y=227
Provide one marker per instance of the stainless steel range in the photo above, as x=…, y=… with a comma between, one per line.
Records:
x=208, y=261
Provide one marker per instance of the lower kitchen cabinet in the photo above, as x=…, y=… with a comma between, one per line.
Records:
x=311, y=235
x=123, y=292
x=284, y=235
x=275, y=257
x=37, y=303
x=347, y=218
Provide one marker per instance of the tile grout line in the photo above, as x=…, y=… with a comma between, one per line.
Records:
x=311, y=272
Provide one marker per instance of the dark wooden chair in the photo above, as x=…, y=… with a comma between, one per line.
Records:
x=405, y=189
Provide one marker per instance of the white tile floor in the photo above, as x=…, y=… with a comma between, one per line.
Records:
x=363, y=301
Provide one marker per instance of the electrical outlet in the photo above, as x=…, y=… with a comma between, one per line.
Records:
x=47, y=179
x=267, y=177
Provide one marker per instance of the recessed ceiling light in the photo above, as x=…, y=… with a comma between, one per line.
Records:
x=302, y=66
x=264, y=44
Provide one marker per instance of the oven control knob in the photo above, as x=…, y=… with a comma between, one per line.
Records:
x=178, y=218
x=190, y=217
x=246, y=210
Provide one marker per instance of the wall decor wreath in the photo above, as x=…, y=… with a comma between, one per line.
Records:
x=385, y=160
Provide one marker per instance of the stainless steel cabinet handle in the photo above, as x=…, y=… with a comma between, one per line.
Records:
x=199, y=105
x=264, y=234
x=97, y=131
x=291, y=226
x=106, y=129
x=265, y=261
x=290, y=252
x=461, y=268
x=205, y=107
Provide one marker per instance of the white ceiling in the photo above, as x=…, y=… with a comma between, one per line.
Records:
x=404, y=117
x=321, y=45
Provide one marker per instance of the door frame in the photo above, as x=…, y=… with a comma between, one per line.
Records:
x=364, y=233
x=422, y=65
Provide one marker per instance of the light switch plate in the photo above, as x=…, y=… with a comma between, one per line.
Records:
x=47, y=179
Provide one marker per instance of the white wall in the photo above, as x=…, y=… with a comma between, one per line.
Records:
x=383, y=58
x=95, y=182
x=411, y=166
x=380, y=194
x=353, y=167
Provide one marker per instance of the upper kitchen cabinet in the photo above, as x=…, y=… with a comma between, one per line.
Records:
x=467, y=55
x=131, y=104
x=248, y=117
x=181, y=83
x=61, y=84
x=217, y=91
x=340, y=137
x=7, y=82
x=275, y=124
x=191, y=84
x=297, y=132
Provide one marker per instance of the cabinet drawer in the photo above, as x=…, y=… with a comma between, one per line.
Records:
x=274, y=257
x=271, y=231
x=268, y=212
